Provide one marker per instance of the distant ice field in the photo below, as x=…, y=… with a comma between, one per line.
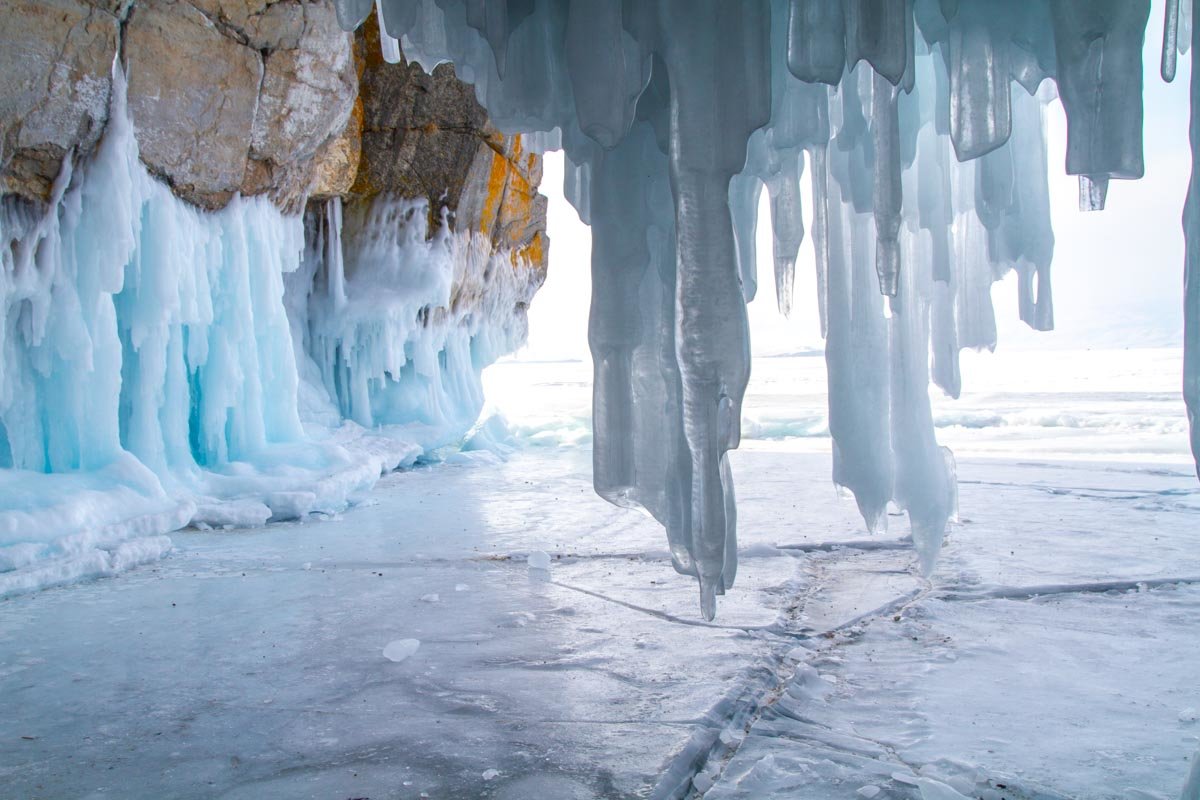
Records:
x=1093, y=405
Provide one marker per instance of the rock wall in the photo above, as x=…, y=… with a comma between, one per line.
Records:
x=257, y=97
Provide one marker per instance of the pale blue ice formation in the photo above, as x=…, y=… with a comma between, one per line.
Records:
x=921, y=123
x=155, y=372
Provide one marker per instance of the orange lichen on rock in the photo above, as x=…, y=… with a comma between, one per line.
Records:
x=497, y=182
x=336, y=163
x=533, y=253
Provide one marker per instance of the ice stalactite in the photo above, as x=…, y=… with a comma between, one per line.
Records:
x=1099, y=73
x=1023, y=237
x=816, y=41
x=980, y=77
x=718, y=69
x=928, y=167
x=888, y=196
x=640, y=452
x=1191, y=274
x=856, y=345
x=399, y=324
x=1170, y=46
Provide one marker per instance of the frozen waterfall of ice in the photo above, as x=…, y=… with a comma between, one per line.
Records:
x=161, y=365
x=922, y=125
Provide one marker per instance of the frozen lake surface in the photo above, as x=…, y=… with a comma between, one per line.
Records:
x=411, y=645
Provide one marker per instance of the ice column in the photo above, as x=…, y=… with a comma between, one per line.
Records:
x=1191, y=275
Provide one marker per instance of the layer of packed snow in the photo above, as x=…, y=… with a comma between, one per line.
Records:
x=922, y=126
x=156, y=373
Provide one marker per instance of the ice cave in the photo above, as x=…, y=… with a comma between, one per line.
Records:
x=292, y=504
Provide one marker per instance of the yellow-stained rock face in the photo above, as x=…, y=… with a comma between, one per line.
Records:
x=421, y=135
x=500, y=198
x=336, y=164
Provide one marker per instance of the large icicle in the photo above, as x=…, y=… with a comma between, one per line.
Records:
x=980, y=115
x=719, y=72
x=1191, y=274
x=817, y=40
x=1099, y=48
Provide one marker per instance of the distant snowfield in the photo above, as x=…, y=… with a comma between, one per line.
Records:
x=1098, y=405
x=415, y=645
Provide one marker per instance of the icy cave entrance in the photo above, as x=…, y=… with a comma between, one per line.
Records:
x=1113, y=344
x=928, y=147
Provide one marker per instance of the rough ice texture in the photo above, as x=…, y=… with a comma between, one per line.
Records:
x=922, y=125
x=155, y=372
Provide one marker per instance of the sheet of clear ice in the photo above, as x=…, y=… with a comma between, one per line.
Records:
x=921, y=123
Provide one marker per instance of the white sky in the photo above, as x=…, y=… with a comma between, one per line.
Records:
x=1117, y=274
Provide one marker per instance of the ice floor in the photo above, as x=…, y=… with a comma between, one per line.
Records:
x=1054, y=654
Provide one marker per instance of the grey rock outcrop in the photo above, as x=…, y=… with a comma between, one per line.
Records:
x=226, y=95
x=55, y=58
x=258, y=96
x=193, y=97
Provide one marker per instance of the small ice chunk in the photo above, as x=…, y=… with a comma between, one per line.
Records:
x=702, y=782
x=868, y=791
x=491, y=774
x=539, y=559
x=798, y=653
x=936, y=790
x=1189, y=715
x=401, y=649
x=433, y=597
x=307, y=565
x=461, y=587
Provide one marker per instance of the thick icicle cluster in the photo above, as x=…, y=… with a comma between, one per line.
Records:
x=395, y=325
x=161, y=365
x=922, y=123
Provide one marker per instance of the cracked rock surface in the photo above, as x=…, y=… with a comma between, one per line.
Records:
x=258, y=97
